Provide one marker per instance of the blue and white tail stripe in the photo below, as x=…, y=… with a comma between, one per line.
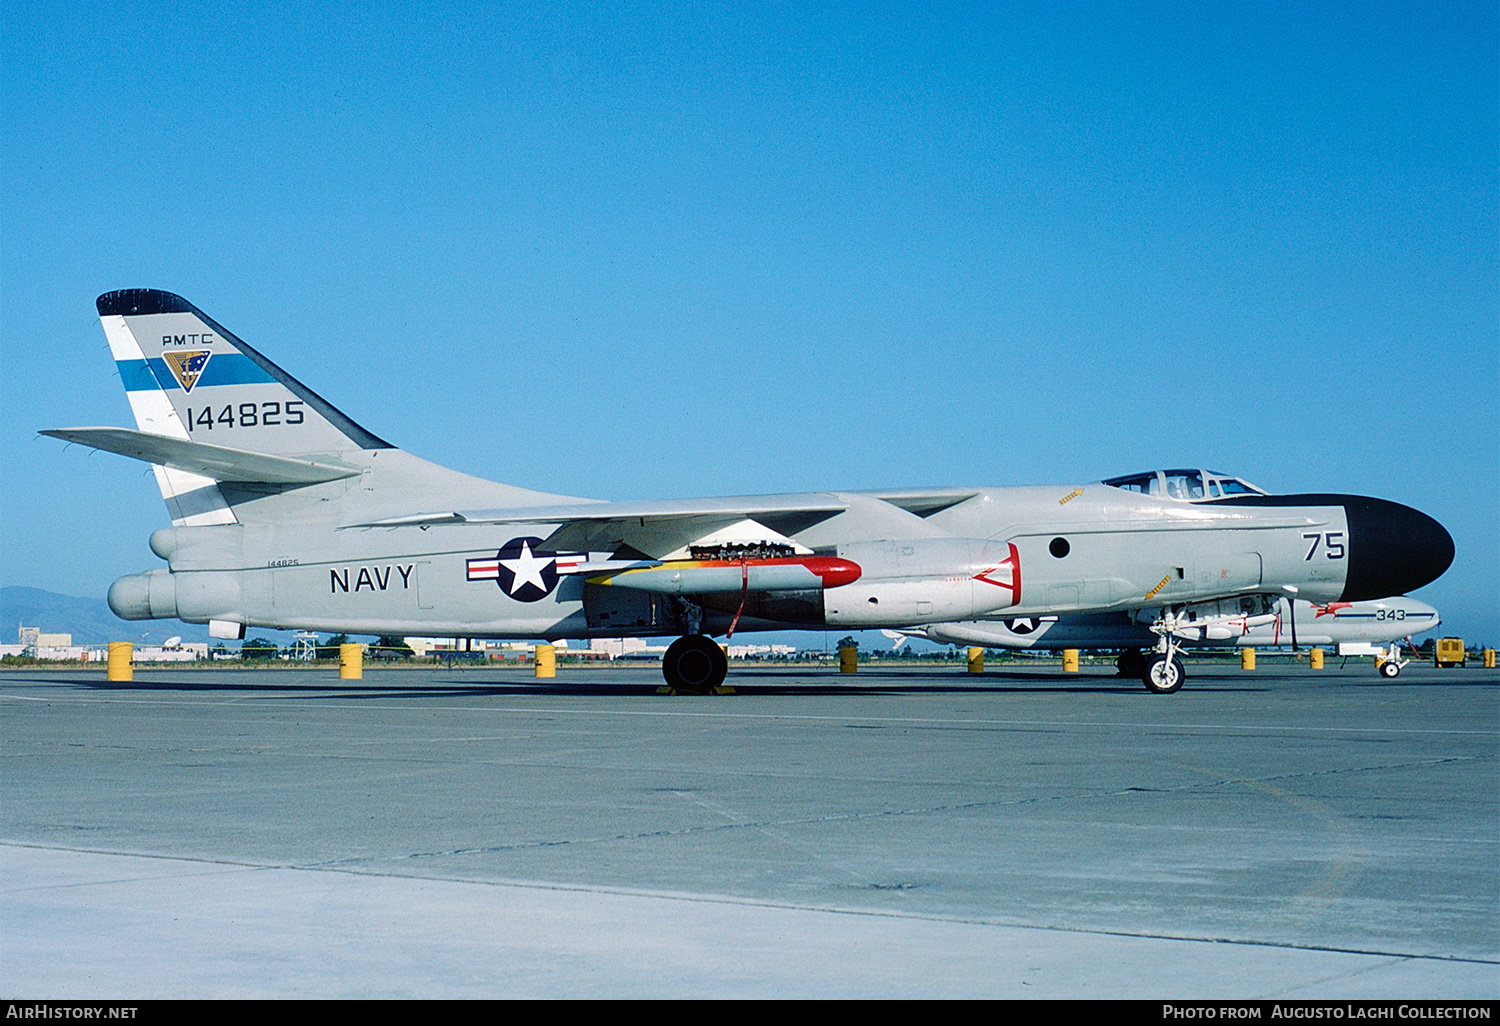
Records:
x=222, y=369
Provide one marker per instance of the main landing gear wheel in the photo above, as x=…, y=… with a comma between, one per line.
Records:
x=694, y=664
x=1164, y=673
x=1132, y=663
x=1390, y=669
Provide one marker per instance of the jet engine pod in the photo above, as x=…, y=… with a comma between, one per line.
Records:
x=164, y=595
x=148, y=596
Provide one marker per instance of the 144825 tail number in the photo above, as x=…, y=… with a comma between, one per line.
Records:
x=247, y=415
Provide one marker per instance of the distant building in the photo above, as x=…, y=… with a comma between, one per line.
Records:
x=186, y=652
x=616, y=647
x=55, y=647
x=761, y=651
x=447, y=646
x=64, y=653
x=32, y=637
x=625, y=648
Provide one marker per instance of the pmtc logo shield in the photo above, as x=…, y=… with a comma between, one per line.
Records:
x=187, y=367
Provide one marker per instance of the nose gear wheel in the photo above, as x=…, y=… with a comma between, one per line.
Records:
x=1164, y=673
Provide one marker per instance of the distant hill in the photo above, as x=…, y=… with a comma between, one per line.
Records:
x=92, y=622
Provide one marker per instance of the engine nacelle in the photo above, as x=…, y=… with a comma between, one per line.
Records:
x=148, y=596
x=925, y=580
x=164, y=595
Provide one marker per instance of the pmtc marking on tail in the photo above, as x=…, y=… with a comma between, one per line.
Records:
x=369, y=577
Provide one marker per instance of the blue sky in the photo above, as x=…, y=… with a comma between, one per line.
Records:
x=634, y=251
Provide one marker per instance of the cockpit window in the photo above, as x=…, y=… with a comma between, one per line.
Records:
x=1230, y=485
x=1185, y=485
x=1145, y=484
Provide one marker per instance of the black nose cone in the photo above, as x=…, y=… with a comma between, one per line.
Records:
x=1393, y=549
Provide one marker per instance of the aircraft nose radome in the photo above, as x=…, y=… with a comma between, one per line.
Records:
x=1393, y=549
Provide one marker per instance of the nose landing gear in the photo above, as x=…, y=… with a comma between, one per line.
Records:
x=1164, y=672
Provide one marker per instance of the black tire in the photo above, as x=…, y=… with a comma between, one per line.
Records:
x=1163, y=675
x=1390, y=670
x=694, y=665
x=1132, y=663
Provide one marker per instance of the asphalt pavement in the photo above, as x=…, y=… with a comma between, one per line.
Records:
x=905, y=832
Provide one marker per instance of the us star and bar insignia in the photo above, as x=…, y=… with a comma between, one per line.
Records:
x=523, y=573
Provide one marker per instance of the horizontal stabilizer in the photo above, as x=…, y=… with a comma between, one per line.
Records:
x=213, y=461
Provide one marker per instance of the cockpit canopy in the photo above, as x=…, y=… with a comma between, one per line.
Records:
x=1186, y=485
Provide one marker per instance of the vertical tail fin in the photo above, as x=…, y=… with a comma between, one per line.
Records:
x=187, y=377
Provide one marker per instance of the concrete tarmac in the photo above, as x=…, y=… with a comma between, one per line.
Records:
x=908, y=832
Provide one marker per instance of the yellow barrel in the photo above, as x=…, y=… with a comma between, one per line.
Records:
x=546, y=661
x=1070, y=660
x=1489, y=659
x=848, y=659
x=121, y=656
x=1247, y=658
x=976, y=660
x=351, y=662
x=1315, y=659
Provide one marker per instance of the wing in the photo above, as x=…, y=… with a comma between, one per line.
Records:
x=650, y=528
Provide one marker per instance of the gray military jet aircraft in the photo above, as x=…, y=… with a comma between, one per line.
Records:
x=287, y=514
x=1247, y=621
